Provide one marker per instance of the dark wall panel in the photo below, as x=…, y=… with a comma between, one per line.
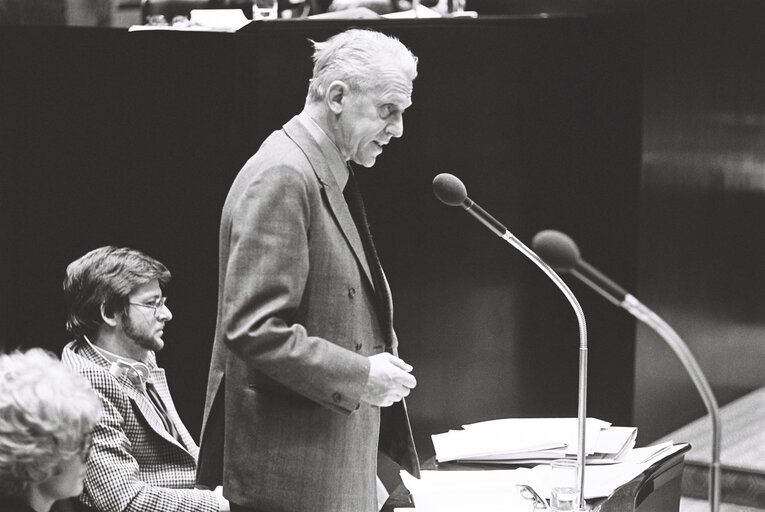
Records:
x=122, y=140
x=702, y=253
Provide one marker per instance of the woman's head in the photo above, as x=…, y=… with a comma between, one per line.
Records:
x=47, y=413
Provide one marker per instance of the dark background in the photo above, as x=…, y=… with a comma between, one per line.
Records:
x=134, y=139
x=639, y=134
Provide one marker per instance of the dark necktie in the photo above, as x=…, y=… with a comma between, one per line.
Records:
x=359, y=214
x=159, y=405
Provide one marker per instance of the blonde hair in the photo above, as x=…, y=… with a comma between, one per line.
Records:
x=46, y=412
x=355, y=57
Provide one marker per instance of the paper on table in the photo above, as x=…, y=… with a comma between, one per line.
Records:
x=612, y=440
x=422, y=12
x=220, y=19
x=458, y=491
x=651, y=454
x=463, y=444
x=204, y=20
x=514, y=438
x=501, y=485
x=599, y=481
x=490, y=490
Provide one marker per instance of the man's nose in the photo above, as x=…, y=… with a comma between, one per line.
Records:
x=396, y=127
x=164, y=313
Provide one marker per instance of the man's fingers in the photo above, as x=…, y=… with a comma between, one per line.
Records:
x=400, y=363
x=407, y=380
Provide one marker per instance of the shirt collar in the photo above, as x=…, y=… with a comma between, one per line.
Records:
x=337, y=164
x=111, y=357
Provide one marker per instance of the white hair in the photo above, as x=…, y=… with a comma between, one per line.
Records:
x=355, y=57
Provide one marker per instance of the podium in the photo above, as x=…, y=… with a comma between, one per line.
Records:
x=657, y=489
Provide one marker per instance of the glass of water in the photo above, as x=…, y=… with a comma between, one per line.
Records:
x=563, y=494
x=265, y=9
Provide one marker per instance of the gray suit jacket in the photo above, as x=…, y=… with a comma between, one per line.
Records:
x=284, y=428
x=136, y=465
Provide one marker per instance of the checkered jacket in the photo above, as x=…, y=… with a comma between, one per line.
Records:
x=136, y=465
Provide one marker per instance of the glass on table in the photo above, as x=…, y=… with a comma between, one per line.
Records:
x=265, y=9
x=156, y=20
x=563, y=489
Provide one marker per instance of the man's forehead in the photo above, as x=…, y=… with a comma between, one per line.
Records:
x=396, y=91
x=149, y=289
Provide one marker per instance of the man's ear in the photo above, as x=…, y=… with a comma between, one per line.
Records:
x=108, y=320
x=337, y=94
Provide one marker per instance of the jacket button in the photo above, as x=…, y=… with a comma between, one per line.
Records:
x=358, y=347
x=336, y=397
x=351, y=291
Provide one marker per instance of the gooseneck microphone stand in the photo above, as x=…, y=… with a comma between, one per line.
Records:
x=655, y=322
x=562, y=253
x=582, y=402
x=451, y=191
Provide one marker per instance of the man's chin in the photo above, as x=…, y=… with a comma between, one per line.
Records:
x=368, y=162
x=154, y=344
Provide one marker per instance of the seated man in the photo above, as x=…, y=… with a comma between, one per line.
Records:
x=143, y=457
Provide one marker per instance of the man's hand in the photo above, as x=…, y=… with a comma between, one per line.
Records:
x=223, y=504
x=389, y=380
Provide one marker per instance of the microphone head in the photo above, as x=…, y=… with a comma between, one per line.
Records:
x=449, y=189
x=556, y=249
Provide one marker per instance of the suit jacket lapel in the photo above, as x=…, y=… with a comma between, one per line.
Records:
x=138, y=396
x=146, y=408
x=333, y=196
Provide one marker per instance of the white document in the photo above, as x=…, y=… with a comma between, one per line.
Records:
x=446, y=491
x=422, y=12
x=203, y=20
x=517, y=438
x=651, y=454
x=460, y=491
x=219, y=19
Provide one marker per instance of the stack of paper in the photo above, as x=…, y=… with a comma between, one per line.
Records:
x=499, y=491
x=204, y=20
x=452, y=491
x=533, y=440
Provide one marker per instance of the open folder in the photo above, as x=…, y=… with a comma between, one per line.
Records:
x=533, y=440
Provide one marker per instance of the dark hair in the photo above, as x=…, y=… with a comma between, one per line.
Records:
x=107, y=275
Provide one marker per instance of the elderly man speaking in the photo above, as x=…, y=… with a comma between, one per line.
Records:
x=305, y=384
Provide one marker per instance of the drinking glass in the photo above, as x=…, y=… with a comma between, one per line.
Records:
x=265, y=9
x=563, y=493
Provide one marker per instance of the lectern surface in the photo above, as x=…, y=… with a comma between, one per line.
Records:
x=657, y=489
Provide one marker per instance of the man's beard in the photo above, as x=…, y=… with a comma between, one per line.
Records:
x=140, y=337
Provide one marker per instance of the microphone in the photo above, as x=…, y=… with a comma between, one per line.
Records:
x=451, y=191
x=562, y=253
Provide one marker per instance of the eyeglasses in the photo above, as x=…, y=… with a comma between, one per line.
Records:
x=528, y=492
x=82, y=451
x=157, y=305
x=85, y=447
